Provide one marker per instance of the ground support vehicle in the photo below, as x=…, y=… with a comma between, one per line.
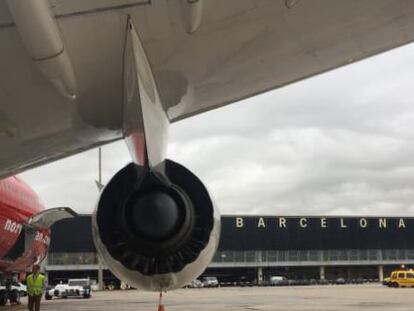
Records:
x=278, y=280
x=79, y=288
x=59, y=291
x=401, y=278
x=74, y=288
x=11, y=291
x=210, y=281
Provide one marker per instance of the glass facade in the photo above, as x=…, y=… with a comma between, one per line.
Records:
x=72, y=258
x=269, y=256
x=272, y=256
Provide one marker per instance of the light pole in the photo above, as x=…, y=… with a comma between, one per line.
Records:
x=100, y=186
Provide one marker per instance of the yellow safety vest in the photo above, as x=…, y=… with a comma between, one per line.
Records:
x=35, y=285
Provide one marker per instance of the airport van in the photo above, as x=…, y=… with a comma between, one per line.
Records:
x=401, y=278
x=278, y=280
x=210, y=281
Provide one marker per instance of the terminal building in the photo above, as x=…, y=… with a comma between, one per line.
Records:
x=255, y=248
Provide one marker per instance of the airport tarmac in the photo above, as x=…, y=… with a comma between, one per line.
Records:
x=337, y=297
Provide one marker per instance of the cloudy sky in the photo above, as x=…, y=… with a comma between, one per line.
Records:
x=340, y=143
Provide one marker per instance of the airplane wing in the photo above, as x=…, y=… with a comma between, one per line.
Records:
x=48, y=217
x=65, y=95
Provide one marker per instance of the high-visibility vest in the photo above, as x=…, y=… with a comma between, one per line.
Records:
x=35, y=285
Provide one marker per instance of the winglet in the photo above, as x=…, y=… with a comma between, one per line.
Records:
x=48, y=217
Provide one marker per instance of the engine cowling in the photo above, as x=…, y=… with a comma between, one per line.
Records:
x=156, y=231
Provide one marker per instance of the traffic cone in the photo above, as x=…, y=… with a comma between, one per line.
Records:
x=160, y=305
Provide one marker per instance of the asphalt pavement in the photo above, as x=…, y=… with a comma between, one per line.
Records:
x=318, y=298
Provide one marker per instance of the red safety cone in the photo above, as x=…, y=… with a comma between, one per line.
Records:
x=160, y=305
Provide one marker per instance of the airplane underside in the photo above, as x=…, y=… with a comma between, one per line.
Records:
x=61, y=71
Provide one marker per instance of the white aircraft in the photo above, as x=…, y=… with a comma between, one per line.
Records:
x=76, y=74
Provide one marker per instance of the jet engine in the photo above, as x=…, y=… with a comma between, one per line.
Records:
x=156, y=229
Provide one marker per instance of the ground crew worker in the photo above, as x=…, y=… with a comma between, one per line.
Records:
x=35, y=284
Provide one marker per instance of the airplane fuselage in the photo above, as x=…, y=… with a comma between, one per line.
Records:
x=18, y=202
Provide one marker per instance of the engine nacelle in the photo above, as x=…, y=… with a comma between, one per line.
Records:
x=156, y=231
